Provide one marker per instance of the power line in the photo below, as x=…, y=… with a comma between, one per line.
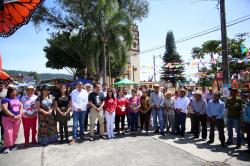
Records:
x=202, y=33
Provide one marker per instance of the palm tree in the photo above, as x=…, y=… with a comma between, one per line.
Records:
x=104, y=26
x=211, y=47
x=112, y=28
x=197, y=53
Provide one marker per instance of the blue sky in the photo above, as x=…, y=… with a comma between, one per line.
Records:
x=24, y=49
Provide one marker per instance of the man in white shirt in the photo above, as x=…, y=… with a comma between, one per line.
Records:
x=79, y=98
x=181, y=111
x=157, y=104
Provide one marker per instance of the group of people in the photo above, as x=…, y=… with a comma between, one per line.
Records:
x=109, y=107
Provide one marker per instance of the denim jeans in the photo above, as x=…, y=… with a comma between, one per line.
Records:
x=159, y=114
x=134, y=120
x=231, y=123
x=78, y=117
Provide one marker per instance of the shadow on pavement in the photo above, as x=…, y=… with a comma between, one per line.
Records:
x=230, y=150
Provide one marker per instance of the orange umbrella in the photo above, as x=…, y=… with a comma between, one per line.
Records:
x=4, y=76
x=16, y=13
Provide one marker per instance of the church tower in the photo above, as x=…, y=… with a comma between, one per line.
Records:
x=132, y=70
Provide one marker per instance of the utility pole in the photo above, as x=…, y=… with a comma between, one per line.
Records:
x=225, y=65
x=154, y=68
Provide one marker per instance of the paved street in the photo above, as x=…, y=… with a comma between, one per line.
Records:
x=128, y=151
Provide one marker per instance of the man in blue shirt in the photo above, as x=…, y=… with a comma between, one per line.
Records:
x=215, y=112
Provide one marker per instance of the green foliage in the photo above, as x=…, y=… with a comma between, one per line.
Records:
x=34, y=75
x=104, y=27
x=68, y=51
x=197, y=53
x=212, y=47
x=137, y=9
x=235, y=51
x=172, y=74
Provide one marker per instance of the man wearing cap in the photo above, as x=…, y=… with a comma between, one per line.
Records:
x=157, y=104
x=215, y=112
x=79, y=98
x=199, y=106
x=29, y=116
x=234, y=106
x=181, y=105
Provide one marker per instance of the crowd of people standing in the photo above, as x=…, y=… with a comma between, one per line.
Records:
x=117, y=111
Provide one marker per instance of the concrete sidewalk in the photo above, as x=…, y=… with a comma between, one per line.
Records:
x=212, y=153
x=129, y=150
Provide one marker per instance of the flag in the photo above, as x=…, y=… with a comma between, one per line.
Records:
x=243, y=49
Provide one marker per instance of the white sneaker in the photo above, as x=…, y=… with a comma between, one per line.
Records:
x=6, y=150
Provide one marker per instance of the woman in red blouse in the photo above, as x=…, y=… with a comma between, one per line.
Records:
x=122, y=103
x=110, y=106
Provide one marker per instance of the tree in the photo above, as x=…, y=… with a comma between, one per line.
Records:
x=137, y=9
x=117, y=65
x=235, y=46
x=67, y=51
x=208, y=79
x=211, y=47
x=106, y=23
x=197, y=53
x=173, y=67
x=112, y=27
x=70, y=52
x=34, y=75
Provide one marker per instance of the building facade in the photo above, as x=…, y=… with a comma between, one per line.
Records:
x=132, y=70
